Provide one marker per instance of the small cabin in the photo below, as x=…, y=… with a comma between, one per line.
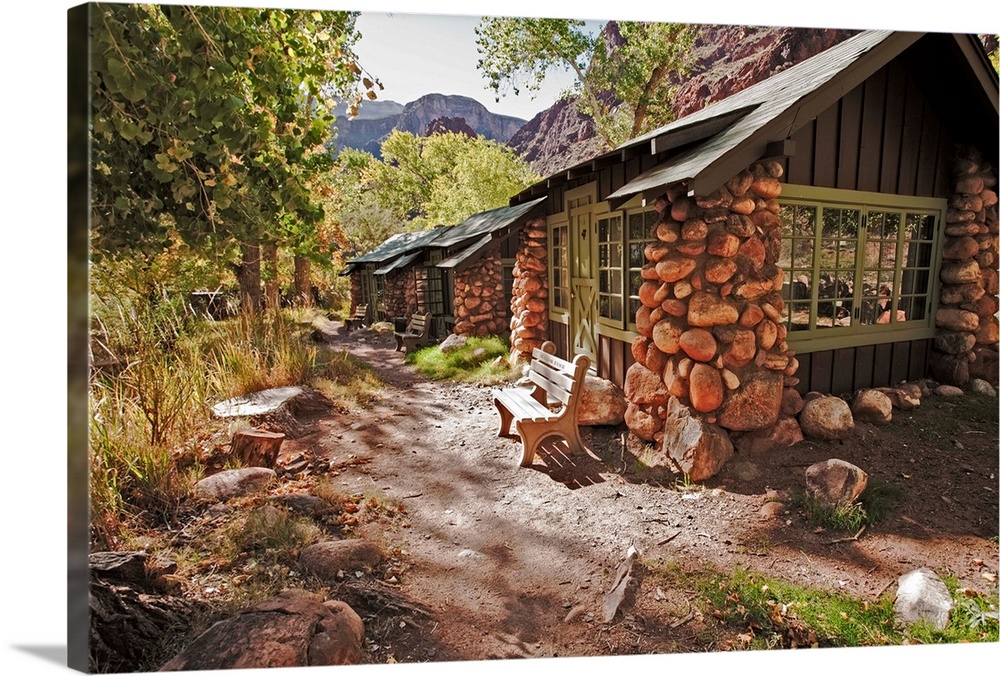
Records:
x=461, y=274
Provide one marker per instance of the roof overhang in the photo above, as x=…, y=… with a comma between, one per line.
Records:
x=456, y=260
x=397, y=263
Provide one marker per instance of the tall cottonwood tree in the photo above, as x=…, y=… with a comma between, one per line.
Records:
x=624, y=74
x=422, y=182
x=201, y=131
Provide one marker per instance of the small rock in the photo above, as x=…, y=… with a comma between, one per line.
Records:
x=922, y=596
x=980, y=386
x=835, y=482
x=234, y=483
x=326, y=559
x=948, y=391
x=772, y=509
x=826, y=417
x=872, y=406
x=452, y=343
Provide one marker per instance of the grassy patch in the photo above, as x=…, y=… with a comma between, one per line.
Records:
x=874, y=505
x=480, y=360
x=758, y=612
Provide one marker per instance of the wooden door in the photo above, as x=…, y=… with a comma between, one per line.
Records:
x=583, y=272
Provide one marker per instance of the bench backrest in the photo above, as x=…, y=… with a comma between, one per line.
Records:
x=561, y=380
x=419, y=324
x=360, y=311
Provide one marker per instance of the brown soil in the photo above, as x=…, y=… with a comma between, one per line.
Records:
x=498, y=561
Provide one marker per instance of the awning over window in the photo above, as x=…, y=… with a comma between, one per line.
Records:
x=466, y=253
x=396, y=263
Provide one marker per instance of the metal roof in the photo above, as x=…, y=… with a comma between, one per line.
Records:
x=771, y=109
x=400, y=262
x=464, y=254
x=484, y=223
x=399, y=244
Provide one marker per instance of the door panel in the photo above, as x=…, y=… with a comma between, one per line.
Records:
x=583, y=273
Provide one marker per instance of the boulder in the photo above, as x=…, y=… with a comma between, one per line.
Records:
x=948, y=391
x=706, y=309
x=827, y=417
x=643, y=386
x=756, y=404
x=234, y=483
x=834, y=482
x=705, y=388
x=692, y=446
x=784, y=434
x=921, y=596
x=326, y=559
x=872, y=406
x=293, y=631
x=641, y=422
x=901, y=398
x=602, y=403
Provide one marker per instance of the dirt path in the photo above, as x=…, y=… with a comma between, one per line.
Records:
x=514, y=562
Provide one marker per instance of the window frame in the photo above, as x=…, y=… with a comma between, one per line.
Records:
x=814, y=338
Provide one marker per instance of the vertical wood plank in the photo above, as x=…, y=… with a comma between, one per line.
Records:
x=917, y=368
x=872, y=123
x=913, y=117
x=944, y=163
x=928, y=154
x=842, y=378
x=900, y=362
x=604, y=184
x=881, y=374
x=821, y=371
x=617, y=176
x=804, y=373
x=892, y=134
x=799, y=169
x=617, y=372
x=825, y=144
x=850, y=138
x=864, y=357
x=603, y=364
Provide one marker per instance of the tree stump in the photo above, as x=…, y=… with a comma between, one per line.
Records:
x=257, y=448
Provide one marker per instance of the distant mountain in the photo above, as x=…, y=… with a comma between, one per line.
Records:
x=374, y=123
x=726, y=60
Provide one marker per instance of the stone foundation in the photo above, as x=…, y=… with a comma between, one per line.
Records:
x=356, y=297
x=480, y=309
x=529, y=323
x=967, y=328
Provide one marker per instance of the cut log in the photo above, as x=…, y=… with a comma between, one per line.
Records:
x=257, y=448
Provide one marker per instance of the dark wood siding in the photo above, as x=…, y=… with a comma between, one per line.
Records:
x=848, y=369
x=613, y=359
x=559, y=334
x=882, y=136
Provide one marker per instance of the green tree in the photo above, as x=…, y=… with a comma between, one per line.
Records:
x=624, y=75
x=203, y=122
x=422, y=182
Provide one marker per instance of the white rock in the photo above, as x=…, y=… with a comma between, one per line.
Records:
x=922, y=596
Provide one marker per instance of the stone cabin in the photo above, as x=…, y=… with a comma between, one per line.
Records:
x=831, y=228
x=461, y=274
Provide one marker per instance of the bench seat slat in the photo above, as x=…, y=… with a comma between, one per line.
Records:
x=524, y=407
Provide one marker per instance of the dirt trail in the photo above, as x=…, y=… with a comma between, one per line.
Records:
x=514, y=562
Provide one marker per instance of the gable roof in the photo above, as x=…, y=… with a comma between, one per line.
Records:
x=401, y=249
x=715, y=142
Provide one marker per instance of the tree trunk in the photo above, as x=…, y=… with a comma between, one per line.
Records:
x=248, y=276
x=272, y=290
x=303, y=283
x=257, y=448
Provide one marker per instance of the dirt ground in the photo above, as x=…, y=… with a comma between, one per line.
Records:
x=497, y=561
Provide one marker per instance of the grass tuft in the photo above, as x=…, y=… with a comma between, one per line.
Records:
x=874, y=505
x=482, y=361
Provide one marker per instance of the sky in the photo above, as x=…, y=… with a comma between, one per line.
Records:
x=417, y=54
x=33, y=341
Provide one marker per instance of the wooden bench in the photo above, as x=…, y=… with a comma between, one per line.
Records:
x=417, y=333
x=547, y=408
x=357, y=318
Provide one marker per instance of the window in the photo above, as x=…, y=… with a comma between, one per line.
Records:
x=609, y=266
x=434, y=290
x=641, y=231
x=559, y=256
x=857, y=264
